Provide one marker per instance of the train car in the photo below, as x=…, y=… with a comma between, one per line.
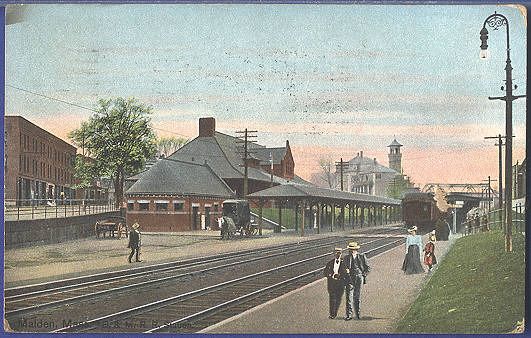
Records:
x=420, y=210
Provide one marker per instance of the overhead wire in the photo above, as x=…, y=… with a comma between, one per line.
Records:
x=80, y=106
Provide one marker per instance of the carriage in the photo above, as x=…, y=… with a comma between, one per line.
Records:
x=236, y=218
x=114, y=226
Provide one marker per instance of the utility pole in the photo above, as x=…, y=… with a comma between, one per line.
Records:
x=246, y=136
x=341, y=166
x=489, y=196
x=271, y=163
x=500, y=144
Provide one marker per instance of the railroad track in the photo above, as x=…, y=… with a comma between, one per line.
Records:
x=30, y=301
x=195, y=310
x=38, y=299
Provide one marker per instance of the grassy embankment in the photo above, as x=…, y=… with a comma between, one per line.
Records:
x=478, y=288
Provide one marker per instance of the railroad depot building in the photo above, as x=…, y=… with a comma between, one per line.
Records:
x=38, y=165
x=185, y=190
x=223, y=153
x=176, y=196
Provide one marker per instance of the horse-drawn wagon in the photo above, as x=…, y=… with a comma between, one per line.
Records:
x=113, y=226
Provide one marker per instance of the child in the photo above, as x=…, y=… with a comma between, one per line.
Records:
x=429, y=252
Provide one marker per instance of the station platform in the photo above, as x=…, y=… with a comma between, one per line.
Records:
x=385, y=299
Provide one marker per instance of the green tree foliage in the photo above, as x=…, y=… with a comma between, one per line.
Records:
x=118, y=138
x=168, y=145
x=84, y=172
x=398, y=186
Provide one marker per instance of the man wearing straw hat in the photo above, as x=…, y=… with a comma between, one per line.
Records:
x=134, y=242
x=356, y=269
x=334, y=272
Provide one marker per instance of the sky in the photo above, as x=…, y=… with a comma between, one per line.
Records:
x=332, y=79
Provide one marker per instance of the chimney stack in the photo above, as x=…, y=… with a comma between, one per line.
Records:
x=207, y=127
x=361, y=153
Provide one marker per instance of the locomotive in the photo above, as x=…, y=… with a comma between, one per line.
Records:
x=420, y=209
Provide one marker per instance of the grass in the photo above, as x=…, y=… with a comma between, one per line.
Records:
x=478, y=288
x=288, y=216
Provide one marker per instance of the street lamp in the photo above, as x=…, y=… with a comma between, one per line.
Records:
x=496, y=21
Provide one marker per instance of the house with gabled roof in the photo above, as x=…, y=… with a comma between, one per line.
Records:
x=366, y=175
x=176, y=195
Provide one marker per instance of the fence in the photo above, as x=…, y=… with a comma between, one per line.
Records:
x=41, y=209
x=495, y=220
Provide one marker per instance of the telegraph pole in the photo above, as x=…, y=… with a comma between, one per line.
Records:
x=489, y=196
x=246, y=136
x=500, y=144
x=341, y=166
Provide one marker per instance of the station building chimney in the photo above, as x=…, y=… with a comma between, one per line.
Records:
x=207, y=126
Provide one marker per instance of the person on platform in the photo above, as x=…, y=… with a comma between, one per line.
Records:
x=334, y=272
x=412, y=263
x=442, y=228
x=429, y=252
x=134, y=242
x=356, y=270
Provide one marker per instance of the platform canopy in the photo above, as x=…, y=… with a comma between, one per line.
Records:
x=306, y=192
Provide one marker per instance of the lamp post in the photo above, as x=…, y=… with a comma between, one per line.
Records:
x=496, y=21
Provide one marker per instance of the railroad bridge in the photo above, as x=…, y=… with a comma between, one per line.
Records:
x=362, y=210
x=470, y=194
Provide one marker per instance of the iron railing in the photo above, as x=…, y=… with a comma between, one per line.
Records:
x=26, y=209
x=494, y=220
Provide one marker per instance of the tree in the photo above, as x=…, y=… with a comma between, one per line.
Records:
x=398, y=186
x=326, y=174
x=168, y=145
x=118, y=138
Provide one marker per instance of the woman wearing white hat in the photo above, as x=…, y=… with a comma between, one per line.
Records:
x=412, y=262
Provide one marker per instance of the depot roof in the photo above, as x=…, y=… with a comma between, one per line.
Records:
x=313, y=192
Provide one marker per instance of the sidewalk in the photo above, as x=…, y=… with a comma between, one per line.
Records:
x=43, y=263
x=384, y=301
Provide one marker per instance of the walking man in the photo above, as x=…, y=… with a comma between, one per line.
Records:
x=356, y=269
x=334, y=272
x=134, y=242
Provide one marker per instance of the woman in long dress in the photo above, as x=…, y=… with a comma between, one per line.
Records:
x=412, y=262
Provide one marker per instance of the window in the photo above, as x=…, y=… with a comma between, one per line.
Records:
x=178, y=205
x=143, y=205
x=161, y=205
x=130, y=205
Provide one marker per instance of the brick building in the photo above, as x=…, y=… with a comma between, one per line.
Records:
x=38, y=165
x=185, y=191
x=222, y=152
x=176, y=196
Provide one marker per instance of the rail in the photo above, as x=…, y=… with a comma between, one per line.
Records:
x=125, y=281
x=495, y=220
x=91, y=324
x=15, y=210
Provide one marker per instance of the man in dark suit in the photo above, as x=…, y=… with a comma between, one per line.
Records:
x=334, y=271
x=134, y=242
x=356, y=269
